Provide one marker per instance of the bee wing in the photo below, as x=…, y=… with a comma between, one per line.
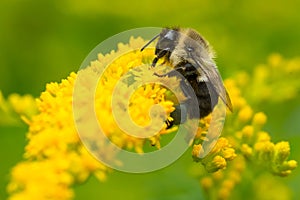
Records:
x=209, y=69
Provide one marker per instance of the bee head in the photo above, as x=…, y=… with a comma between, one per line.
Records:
x=167, y=41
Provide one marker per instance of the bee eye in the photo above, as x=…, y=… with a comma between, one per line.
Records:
x=190, y=49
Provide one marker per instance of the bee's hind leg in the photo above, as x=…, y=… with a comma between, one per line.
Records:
x=169, y=74
x=179, y=115
x=173, y=72
x=185, y=87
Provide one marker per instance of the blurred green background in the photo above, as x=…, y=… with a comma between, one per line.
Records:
x=43, y=41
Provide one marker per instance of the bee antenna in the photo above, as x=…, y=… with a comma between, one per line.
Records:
x=149, y=42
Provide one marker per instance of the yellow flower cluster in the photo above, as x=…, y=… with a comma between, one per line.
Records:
x=218, y=157
x=245, y=134
x=220, y=184
x=54, y=155
x=117, y=97
x=275, y=81
x=16, y=106
x=255, y=143
x=140, y=101
x=220, y=149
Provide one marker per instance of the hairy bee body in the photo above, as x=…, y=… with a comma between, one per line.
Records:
x=192, y=57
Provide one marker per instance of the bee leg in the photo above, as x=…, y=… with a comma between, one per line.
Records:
x=154, y=61
x=179, y=115
x=173, y=72
x=165, y=74
x=184, y=109
x=169, y=123
x=161, y=54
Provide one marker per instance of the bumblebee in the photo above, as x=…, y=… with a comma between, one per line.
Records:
x=191, y=56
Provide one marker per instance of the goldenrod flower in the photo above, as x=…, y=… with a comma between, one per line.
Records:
x=217, y=158
x=55, y=136
x=16, y=107
x=206, y=183
x=220, y=184
x=275, y=81
x=54, y=154
x=244, y=127
x=259, y=119
x=245, y=114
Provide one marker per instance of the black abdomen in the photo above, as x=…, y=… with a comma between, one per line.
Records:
x=205, y=93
